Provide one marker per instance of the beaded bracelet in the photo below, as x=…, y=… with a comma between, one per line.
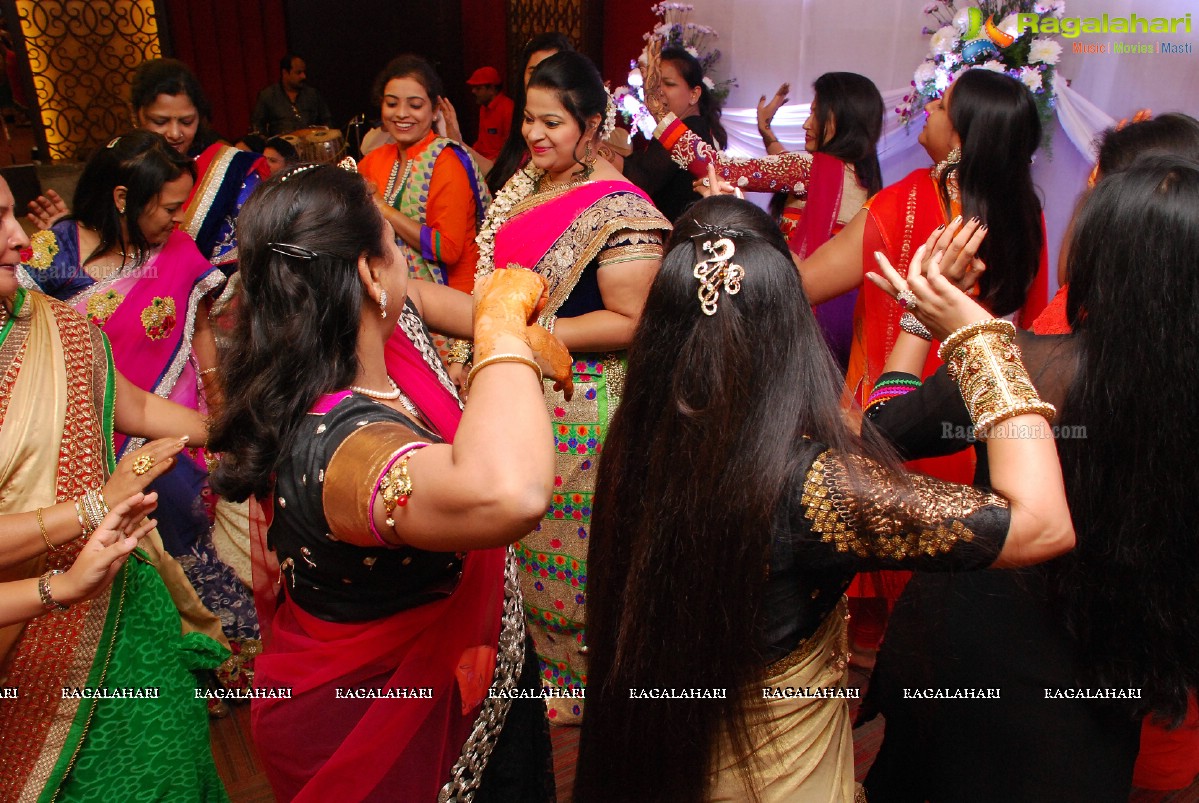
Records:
x=911, y=324
x=547, y=322
x=494, y=358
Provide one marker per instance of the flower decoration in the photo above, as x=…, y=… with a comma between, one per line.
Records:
x=969, y=37
x=674, y=30
x=159, y=317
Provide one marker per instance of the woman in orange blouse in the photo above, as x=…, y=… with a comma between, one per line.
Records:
x=429, y=188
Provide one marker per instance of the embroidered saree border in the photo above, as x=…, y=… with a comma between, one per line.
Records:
x=40, y=732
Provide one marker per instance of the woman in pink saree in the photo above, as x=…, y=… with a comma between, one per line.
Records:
x=121, y=261
x=597, y=241
x=395, y=664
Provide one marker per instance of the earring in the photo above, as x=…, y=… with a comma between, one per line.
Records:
x=383, y=304
x=953, y=157
x=588, y=156
x=120, y=210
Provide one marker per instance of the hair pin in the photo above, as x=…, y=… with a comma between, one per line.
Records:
x=289, y=250
x=717, y=271
x=297, y=171
x=348, y=164
x=113, y=142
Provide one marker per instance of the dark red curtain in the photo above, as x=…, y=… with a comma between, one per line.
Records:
x=234, y=47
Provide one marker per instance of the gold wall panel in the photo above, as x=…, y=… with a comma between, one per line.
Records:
x=82, y=54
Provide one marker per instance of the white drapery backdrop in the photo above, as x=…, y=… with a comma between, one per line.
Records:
x=767, y=42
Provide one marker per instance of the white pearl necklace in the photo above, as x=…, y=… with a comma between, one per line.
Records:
x=381, y=395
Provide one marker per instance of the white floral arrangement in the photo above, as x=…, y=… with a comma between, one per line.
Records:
x=969, y=37
x=675, y=29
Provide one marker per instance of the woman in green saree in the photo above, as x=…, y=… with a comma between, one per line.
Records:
x=105, y=707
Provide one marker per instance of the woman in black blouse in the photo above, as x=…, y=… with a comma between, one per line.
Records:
x=689, y=99
x=392, y=627
x=734, y=507
x=1086, y=645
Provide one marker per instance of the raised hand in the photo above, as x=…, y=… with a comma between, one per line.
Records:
x=450, y=115
x=957, y=242
x=46, y=210
x=768, y=109
x=655, y=98
x=927, y=293
x=107, y=549
x=506, y=302
x=139, y=468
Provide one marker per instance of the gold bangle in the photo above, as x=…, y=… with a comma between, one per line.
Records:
x=959, y=336
x=45, y=535
x=494, y=358
x=206, y=372
x=83, y=532
x=992, y=379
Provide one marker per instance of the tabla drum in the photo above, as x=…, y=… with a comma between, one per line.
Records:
x=324, y=145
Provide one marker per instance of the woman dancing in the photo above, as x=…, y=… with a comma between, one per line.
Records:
x=734, y=507
x=597, y=240
x=389, y=607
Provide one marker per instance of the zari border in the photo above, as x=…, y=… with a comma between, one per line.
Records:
x=61, y=650
x=562, y=285
x=205, y=194
x=13, y=338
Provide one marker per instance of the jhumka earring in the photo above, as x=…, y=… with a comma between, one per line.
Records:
x=951, y=158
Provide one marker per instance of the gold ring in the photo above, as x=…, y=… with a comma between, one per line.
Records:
x=143, y=464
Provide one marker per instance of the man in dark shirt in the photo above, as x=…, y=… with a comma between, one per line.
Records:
x=290, y=104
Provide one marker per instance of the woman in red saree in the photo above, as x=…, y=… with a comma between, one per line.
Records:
x=829, y=180
x=393, y=640
x=597, y=241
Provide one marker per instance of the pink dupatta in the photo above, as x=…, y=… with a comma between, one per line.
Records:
x=525, y=239
x=149, y=316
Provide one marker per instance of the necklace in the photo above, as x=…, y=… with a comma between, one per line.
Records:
x=394, y=188
x=381, y=395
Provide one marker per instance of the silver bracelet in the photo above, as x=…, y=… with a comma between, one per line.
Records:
x=911, y=324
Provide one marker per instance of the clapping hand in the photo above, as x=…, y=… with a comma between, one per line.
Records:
x=936, y=301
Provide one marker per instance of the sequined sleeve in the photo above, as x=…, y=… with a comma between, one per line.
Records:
x=783, y=172
x=629, y=246
x=855, y=513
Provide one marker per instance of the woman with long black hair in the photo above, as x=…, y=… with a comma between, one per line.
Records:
x=733, y=508
x=1086, y=645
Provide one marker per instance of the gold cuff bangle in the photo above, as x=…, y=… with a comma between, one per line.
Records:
x=959, y=336
x=985, y=362
x=45, y=535
x=494, y=358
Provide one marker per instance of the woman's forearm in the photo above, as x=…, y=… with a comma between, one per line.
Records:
x=602, y=330
x=1024, y=467
x=23, y=537
x=145, y=415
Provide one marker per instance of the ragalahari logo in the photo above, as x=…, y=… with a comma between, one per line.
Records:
x=1071, y=27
